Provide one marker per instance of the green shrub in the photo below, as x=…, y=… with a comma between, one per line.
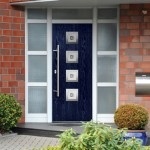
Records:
x=147, y=148
x=10, y=112
x=98, y=137
x=131, y=116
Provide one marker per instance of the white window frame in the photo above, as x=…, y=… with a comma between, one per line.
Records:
x=94, y=21
x=109, y=118
x=32, y=117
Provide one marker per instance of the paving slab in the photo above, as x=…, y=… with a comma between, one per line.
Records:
x=26, y=142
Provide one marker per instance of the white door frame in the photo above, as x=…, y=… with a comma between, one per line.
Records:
x=48, y=117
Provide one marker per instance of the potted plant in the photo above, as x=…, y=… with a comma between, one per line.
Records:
x=133, y=117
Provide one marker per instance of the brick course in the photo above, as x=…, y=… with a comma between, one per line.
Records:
x=12, y=51
x=134, y=54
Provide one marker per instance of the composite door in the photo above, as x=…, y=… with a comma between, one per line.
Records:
x=72, y=72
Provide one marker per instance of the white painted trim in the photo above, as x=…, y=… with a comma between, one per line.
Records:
x=109, y=84
x=107, y=53
x=37, y=84
x=36, y=21
x=36, y=118
x=109, y=117
x=32, y=117
x=94, y=66
x=107, y=21
x=117, y=90
x=38, y=114
x=37, y=53
x=63, y=21
x=26, y=67
x=49, y=65
x=105, y=118
x=48, y=117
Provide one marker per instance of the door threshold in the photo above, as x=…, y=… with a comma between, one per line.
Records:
x=67, y=123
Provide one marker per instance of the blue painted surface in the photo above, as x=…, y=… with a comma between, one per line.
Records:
x=139, y=135
x=80, y=110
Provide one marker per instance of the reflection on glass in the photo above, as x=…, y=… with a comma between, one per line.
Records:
x=107, y=36
x=107, y=13
x=72, y=14
x=37, y=67
x=106, y=100
x=106, y=69
x=37, y=97
x=37, y=36
x=37, y=13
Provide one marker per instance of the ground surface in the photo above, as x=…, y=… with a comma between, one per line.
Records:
x=25, y=142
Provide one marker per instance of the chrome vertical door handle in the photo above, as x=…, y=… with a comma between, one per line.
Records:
x=57, y=70
x=57, y=50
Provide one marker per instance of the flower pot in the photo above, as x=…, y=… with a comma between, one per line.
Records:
x=139, y=134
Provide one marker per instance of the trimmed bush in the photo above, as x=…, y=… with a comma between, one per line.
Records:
x=131, y=116
x=10, y=112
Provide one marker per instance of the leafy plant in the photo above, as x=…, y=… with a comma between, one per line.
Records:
x=97, y=136
x=147, y=148
x=131, y=116
x=10, y=112
x=132, y=147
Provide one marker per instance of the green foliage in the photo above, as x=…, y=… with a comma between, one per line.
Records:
x=131, y=116
x=147, y=148
x=98, y=136
x=131, y=143
x=10, y=112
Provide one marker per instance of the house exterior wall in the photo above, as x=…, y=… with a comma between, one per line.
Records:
x=134, y=51
x=12, y=52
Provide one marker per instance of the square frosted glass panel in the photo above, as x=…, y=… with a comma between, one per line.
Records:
x=106, y=69
x=106, y=100
x=72, y=14
x=37, y=69
x=107, y=13
x=37, y=99
x=37, y=13
x=107, y=36
x=37, y=36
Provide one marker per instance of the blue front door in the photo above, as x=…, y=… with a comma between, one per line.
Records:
x=72, y=72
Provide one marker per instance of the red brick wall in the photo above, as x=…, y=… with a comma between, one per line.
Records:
x=12, y=49
x=134, y=53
